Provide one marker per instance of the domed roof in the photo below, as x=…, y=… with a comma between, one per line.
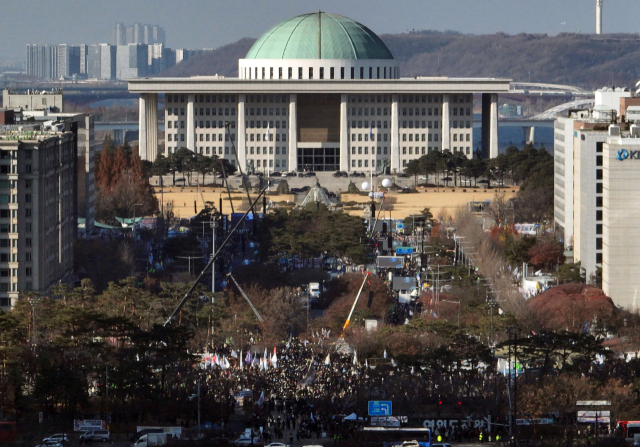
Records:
x=319, y=35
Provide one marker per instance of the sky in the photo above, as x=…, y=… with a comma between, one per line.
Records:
x=213, y=23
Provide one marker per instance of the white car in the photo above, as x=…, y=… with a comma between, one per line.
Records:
x=60, y=438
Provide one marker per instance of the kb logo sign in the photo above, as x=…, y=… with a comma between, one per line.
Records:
x=624, y=154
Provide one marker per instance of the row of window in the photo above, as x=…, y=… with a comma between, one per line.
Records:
x=464, y=150
x=278, y=150
x=381, y=137
x=4, y=214
x=270, y=73
x=220, y=137
x=260, y=137
x=202, y=98
x=265, y=125
x=379, y=150
x=365, y=163
x=4, y=257
x=267, y=98
x=263, y=163
x=251, y=111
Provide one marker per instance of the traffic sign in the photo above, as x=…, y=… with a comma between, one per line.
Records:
x=592, y=420
x=380, y=408
x=404, y=250
x=593, y=414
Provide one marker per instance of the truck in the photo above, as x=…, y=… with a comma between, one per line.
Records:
x=314, y=291
x=151, y=440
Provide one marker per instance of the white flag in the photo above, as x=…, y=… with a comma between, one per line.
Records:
x=393, y=362
x=327, y=361
x=274, y=360
x=385, y=353
x=265, y=352
x=234, y=354
x=241, y=362
x=355, y=357
x=366, y=363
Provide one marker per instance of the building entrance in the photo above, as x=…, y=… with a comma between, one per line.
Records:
x=318, y=159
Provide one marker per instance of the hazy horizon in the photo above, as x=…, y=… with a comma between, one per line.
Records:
x=213, y=23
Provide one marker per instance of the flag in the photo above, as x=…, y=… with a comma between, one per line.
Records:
x=247, y=360
x=274, y=360
x=240, y=363
x=500, y=311
x=385, y=353
x=312, y=418
x=261, y=400
x=412, y=370
x=265, y=353
x=234, y=354
x=327, y=361
x=366, y=363
x=393, y=362
x=355, y=357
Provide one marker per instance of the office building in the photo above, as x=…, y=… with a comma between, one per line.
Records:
x=37, y=209
x=596, y=151
x=621, y=211
x=33, y=99
x=319, y=92
x=578, y=140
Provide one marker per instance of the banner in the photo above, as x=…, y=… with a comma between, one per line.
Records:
x=88, y=424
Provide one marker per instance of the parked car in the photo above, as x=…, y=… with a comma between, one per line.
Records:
x=300, y=174
x=340, y=174
x=95, y=435
x=310, y=174
x=403, y=175
x=59, y=438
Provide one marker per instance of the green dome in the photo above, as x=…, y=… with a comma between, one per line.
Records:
x=319, y=35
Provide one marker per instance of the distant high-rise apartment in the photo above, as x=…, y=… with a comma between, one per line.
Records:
x=101, y=62
x=138, y=33
x=53, y=61
x=120, y=34
x=132, y=61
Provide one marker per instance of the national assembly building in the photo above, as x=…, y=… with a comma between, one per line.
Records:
x=318, y=92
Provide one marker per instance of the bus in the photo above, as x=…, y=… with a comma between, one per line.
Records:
x=8, y=432
x=391, y=436
x=630, y=430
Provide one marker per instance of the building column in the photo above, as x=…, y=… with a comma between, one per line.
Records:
x=446, y=125
x=493, y=137
x=395, y=135
x=191, y=124
x=293, y=132
x=242, y=134
x=148, y=126
x=344, y=133
x=142, y=127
